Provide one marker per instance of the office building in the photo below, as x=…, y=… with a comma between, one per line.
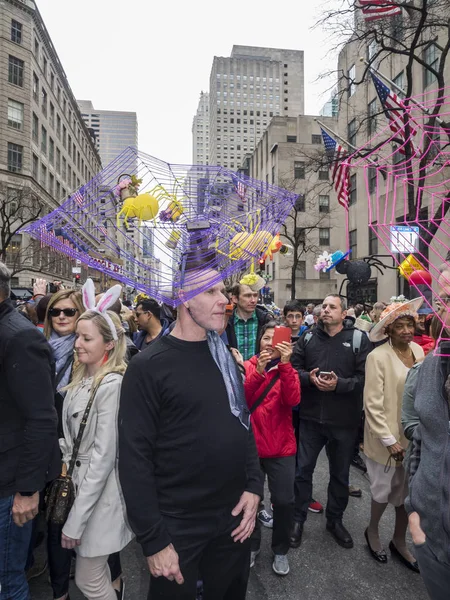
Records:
x=200, y=132
x=46, y=151
x=246, y=90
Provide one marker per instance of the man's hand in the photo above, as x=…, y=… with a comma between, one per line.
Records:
x=396, y=451
x=285, y=350
x=263, y=360
x=327, y=383
x=40, y=287
x=248, y=504
x=416, y=530
x=25, y=508
x=69, y=543
x=165, y=564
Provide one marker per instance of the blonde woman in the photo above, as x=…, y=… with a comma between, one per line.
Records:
x=96, y=526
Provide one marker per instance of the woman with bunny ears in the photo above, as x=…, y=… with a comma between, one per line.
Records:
x=96, y=525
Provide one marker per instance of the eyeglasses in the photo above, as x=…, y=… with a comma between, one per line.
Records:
x=68, y=312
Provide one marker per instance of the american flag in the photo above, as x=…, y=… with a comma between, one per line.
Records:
x=241, y=189
x=103, y=229
x=78, y=197
x=395, y=111
x=378, y=9
x=340, y=171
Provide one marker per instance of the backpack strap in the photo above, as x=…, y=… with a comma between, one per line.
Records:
x=308, y=337
x=356, y=341
x=259, y=401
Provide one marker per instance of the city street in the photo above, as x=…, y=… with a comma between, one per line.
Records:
x=320, y=569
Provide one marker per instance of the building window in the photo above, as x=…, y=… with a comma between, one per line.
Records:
x=351, y=133
x=300, y=203
x=43, y=139
x=273, y=174
x=352, y=196
x=58, y=126
x=351, y=74
x=16, y=31
x=15, y=156
x=43, y=175
x=15, y=71
x=299, y=170
x=372, y=118
x=373, y=241
x=15, y=114
x=300, y=271
x=324, y=275
x=324, y=236
x=316, y=138
x=398, y=82
x=44, y=66
x=323, y=173
x=51, y=184
x=51, y=151
x=44, y=102
x=353, y=243
x=372, y=175
x=35, y=88
x=35, y=166
x=324, y=203
x=300, y=234
x=64, y=169
x=58, y=161
x=52, y=115
x=431, y=57
x=372, y=49
x=291, y=139
x=64, y=136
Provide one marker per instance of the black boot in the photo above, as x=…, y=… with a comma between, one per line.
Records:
x=296, y=535
x=340, y=534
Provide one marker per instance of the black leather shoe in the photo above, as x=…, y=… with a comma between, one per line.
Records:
x=340, y=534
x=378, y=555
x=358, y=462
x=414, y=566
x=296, y=535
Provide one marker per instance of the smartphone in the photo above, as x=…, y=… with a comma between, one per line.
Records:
x=325, y=374
x=282, y=334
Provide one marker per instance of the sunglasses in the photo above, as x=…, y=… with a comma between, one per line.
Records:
x=68, y=312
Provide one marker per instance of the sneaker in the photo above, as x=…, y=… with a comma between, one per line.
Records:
x=358, y=462
x=354, y=491
x=253, y=555
x=265, y=518
x=280, y=564
x=315, y=506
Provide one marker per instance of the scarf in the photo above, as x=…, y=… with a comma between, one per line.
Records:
x=62, y=346
x=231, y=376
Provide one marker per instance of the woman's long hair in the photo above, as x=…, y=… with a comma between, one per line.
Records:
x=73, y=296
x=115, y=361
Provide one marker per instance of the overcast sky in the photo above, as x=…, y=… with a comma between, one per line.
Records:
x=154, y=57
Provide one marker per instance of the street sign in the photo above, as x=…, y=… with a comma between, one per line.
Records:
x=404, y=239
x=409, y=265
x=76, y=270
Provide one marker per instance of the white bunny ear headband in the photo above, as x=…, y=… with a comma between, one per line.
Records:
x=105, y=302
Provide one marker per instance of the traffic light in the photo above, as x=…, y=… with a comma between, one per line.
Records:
x=262, y=264
x=77, y=278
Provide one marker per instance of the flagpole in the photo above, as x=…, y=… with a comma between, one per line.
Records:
x=399, y=89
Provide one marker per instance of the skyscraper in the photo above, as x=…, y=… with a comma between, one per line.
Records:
x=113, y=130
x=200, y=132
x=246, y=90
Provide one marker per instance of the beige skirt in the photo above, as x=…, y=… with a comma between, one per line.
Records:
x=391, y=487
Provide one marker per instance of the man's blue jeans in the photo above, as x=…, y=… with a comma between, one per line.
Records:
x=14, y=542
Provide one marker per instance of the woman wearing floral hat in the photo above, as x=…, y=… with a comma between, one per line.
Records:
x=384, y=441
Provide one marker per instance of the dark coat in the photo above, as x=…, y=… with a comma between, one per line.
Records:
x=29, y=452
x=263, y=317
x=341, y=408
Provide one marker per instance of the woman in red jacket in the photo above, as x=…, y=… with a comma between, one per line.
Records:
x=274, y=436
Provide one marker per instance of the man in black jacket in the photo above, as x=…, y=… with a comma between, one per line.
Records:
x=245, y=323
x=331, y=364
x=188, y=464
x=28, y=436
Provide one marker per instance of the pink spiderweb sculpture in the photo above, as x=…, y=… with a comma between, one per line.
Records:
x=407, y=179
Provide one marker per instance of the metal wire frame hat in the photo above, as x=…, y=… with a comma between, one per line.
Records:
x=407, y=180
x=137, y=218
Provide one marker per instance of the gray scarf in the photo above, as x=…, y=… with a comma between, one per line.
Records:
x=62, y=346
x=231, y=376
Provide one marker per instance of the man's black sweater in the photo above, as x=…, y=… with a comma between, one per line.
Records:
x=181, y=451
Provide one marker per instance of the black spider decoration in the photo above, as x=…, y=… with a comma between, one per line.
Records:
x=359, y=271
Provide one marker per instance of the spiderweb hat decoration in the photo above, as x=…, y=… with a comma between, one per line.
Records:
x=136, y=219
x=407, y=177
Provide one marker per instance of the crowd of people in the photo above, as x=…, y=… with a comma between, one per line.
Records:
x=141, y=421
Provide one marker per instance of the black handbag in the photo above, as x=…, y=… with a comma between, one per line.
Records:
x=61, y=493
